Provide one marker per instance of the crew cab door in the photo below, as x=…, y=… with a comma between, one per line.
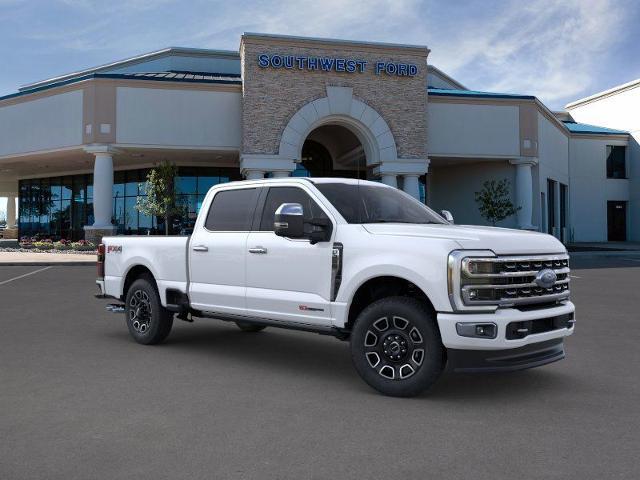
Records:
x=288, y=279
x=217, y=252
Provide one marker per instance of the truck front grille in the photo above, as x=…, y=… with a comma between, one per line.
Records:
x=510, y=281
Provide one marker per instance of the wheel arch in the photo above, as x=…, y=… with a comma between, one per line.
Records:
x=134, y=273
x=382, y=286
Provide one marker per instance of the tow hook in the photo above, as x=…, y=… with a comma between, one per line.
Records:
x=115, y=308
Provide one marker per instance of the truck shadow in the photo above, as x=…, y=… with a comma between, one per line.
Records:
x=328, y=360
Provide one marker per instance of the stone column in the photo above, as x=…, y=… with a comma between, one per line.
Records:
x=524, y=191
x=411, y=185
x=102, y=193
x=11, y=211
x=409, y=169
x=390, y=179
x=253, y=174
x=254, y=165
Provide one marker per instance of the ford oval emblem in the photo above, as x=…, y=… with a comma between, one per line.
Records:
x=546, y=278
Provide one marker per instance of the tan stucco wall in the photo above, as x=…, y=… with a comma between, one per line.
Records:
x=272, y=96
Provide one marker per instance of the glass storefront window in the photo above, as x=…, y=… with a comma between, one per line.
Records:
x=59, y=207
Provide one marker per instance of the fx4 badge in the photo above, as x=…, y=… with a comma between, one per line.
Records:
x=114, y=248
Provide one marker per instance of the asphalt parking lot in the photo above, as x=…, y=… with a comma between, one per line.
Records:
x=79, y=399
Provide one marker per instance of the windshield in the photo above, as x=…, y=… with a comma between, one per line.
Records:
x=376, y=204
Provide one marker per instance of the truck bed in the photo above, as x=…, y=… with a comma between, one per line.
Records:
x=165, y=257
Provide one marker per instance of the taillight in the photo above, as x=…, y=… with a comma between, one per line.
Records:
x=101, y=251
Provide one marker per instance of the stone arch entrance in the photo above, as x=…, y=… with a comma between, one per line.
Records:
x=339, y=109
x=343, y=114
x=333, y=150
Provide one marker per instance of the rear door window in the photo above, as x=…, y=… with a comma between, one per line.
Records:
x=232, y=210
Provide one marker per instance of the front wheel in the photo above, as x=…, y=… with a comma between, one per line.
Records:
x=147, y=320
x=396, y=346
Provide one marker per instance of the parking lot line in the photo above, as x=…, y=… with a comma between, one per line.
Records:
x=25, y=275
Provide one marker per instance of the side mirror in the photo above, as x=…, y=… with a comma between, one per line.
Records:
x=289, y=221
x=446, y=214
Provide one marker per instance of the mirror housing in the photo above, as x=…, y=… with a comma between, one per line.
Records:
x=321, y=230
x=289, y=221
x=446, y=214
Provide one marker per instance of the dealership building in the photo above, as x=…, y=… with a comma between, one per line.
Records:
x=75, y=149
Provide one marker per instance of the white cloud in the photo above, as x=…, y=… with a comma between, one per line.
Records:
x=547, y=48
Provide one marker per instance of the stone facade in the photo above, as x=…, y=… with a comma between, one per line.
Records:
x=272, y=96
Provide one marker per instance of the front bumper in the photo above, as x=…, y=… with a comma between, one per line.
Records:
x=529, y=356
x=501, y=318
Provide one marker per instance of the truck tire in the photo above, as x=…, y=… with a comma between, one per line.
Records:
x=148, y=321
x=396, y=346
x=250, y=327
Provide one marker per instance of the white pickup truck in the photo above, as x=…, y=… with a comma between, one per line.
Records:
x=358, y=260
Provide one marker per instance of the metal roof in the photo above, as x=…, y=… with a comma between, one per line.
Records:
x=585, y=128
x=135, y=60
x=187, y=77
x=444, y=92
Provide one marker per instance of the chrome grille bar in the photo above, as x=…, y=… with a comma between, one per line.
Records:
x=480, y=285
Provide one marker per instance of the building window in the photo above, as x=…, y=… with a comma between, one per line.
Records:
x=564, y=189
x=616, y=161
x=551, y=206
x=59, y=207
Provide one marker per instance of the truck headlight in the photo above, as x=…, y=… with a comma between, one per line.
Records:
x=468, y=262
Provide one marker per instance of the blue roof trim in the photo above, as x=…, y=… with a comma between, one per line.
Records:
x=585, y=128
x=444, y=92
x=225, y=80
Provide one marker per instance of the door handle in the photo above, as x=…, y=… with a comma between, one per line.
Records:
x=200, y=248
x=258, y=250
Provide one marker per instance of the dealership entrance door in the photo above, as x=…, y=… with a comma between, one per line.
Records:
x=332, y=151
x=617, y=221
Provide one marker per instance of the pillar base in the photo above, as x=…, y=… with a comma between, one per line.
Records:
x=94, y=234
x=9, y=233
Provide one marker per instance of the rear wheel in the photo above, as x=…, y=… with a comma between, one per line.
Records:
x=250, y=327
x=396, y=346
x=147, y=320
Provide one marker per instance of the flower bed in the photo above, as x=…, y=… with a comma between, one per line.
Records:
x=40, y=245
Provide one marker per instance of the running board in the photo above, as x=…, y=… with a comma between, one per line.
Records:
x=266, y=322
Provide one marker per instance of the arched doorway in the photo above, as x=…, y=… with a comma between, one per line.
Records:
x=332, y=151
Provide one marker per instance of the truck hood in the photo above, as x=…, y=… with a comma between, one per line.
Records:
x=502, y=241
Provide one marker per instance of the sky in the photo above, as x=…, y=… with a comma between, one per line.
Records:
x=557, y=50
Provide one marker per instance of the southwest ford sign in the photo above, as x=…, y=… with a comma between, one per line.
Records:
x=334, y=64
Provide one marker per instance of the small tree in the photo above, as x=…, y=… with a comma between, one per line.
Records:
x=161, y=199
x=494, y=201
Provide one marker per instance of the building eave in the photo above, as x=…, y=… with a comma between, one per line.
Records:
x=117, y=76
x=605, y=93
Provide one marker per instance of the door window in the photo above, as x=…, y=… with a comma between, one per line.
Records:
x=232, y=210
x=279, y=195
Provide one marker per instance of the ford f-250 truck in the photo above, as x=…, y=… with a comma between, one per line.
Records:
x=358, y=260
